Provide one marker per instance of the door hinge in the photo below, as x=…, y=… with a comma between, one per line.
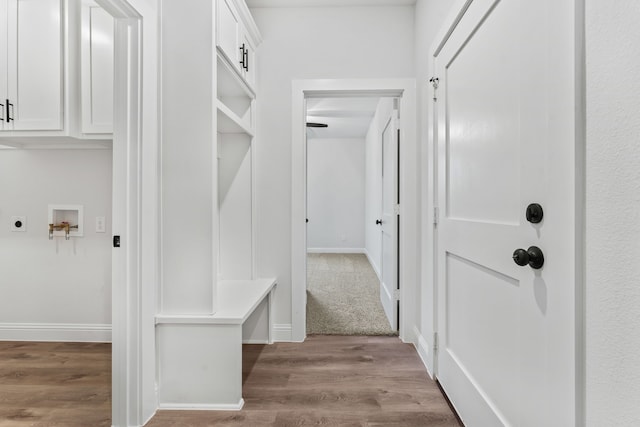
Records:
x=435, y=342
x=434, y=82
x=436, y=215
x=396, y=209
x=396, y=295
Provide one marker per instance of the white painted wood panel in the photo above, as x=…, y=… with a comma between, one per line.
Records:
x=228, y=31
x=506, y=123
x=256, y=329
x=235, y=205
x=189, y=190
x=35, y=64
x=199, y=366
x=97, y=70
x=4, y=94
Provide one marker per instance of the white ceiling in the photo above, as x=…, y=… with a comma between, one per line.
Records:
x=346, y=117
x=327, y=3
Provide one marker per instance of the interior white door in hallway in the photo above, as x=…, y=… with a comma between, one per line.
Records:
x=506, y=138
x=389, y=292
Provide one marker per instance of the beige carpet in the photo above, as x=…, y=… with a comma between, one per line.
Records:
x=343, y=296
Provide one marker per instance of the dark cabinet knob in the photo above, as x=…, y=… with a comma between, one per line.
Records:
x=534, y=213
x=532, y=256
x=378, y=221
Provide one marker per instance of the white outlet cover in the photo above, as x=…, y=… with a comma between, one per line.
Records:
x=100, y=224
x=18, y=223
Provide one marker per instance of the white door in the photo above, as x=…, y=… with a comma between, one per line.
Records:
x=389, y=226
x=505, y=139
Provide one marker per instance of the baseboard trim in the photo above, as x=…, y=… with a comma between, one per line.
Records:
x=55, y=332
x=423, y=349
x=253, y=341
x=373, y=264
x=282, y=333
x=202, y=406
x=387, y=302
x=335, y=250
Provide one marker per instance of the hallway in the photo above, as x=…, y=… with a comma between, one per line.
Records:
x=343, y=296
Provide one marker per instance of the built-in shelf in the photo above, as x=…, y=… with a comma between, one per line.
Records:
x=230, y=83
x=230, y=122
x=237, y=299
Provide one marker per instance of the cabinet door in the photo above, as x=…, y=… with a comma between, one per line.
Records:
x=35, y=61
x=97, y=70
x=227, y=31
x=3, y=60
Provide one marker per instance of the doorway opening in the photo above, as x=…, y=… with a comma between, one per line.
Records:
x=351, y=287
x=86, y=176
x=310, y=100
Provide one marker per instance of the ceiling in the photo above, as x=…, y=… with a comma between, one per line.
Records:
x=346, y=117
x=327, y=3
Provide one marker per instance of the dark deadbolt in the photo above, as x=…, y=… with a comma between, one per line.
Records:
x=116, y=241
x=532, y=256
x=534, y=213
x=378, y=222
x=18, y=224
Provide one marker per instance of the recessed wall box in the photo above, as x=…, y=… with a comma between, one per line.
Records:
x=66, y=221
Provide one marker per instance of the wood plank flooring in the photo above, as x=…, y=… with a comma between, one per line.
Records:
x=329, y=381
x=325, y=381
x=55, y=384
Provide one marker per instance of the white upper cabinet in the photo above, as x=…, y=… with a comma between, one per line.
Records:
x=32, y=60
x=3, y=63
x=96, y=54
x=228, y=32
x=56, y=71
x=236, y=38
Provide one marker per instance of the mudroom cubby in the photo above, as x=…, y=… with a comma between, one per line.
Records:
x=212, y=301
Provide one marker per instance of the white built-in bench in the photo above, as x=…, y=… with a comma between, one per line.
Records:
x=203, y=369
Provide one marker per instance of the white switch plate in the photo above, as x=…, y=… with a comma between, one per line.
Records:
x=100, y=224
x=18, y=223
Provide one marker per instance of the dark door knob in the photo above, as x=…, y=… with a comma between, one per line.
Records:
x=378, y=221
x=534, y=213
x=532, y=256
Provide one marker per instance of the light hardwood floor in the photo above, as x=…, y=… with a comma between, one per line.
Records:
x=55, y=384
x=330, y=381
x=325, y=381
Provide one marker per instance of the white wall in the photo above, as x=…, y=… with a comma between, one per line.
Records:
x=335, y=195
x=373, y=202
x=311, y=43
x=55, y=290
x=613, y=213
